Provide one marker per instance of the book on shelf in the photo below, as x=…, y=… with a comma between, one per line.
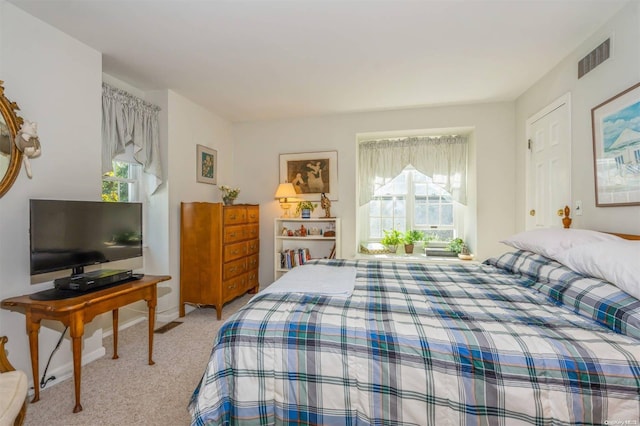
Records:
x=294, y=257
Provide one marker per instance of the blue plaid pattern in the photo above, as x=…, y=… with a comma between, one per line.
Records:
x=418, y=344
x=587, y=296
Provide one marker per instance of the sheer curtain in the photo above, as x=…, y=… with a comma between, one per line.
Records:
x=443, y=159
x=129, y=119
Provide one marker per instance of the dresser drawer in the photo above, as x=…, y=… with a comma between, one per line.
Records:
x=234, y=233
x=235, y=215
x=234, y=251
x=253, y=214
x=235, y=268
x=234, y=287
x=251, y=232
x=252, y=262
x=252, y=279
x=253, y=246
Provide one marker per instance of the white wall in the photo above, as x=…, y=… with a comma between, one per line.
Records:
x=614, y=75
x=258, y=145
x=189, y=125
x=56, y=81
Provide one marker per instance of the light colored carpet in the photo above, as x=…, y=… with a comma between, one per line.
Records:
x=128, y=391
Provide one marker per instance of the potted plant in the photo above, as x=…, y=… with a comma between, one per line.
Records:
x=229, y=194
x=305, y=207
x=456, y=245
x=410, y=238
x=391, y=239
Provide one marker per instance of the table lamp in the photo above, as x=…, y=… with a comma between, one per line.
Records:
x=284, y=194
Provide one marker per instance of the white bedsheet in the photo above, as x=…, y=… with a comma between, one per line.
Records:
x=316, y=279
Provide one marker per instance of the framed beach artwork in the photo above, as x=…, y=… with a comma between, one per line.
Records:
x=206, y=165
x=615, y=126
x=311, y=173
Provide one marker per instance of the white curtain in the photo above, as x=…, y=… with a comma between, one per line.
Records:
x=128, y=119
x=443, y=159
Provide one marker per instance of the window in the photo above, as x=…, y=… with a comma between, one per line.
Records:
x=123, y=183
x=412, y=183
x=411, y=200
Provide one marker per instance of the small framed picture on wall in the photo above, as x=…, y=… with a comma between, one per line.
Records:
x=206, y=165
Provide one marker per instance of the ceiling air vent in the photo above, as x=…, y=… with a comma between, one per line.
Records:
x=595, y=58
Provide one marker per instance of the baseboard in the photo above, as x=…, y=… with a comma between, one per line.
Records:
x=189, y=308
x=124, y=326
x=167, y=316
x=161, y=318
x=65, y=371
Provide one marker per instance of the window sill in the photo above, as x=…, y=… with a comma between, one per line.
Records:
x=416, y=257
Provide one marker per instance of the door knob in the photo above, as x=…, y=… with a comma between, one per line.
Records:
x=532, y=212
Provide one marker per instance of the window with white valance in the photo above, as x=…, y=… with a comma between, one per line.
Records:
x=412, y=183
x=443, y=159
x=127, y=119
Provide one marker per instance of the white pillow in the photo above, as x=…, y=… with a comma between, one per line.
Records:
x=615, y=261
x=550, y=242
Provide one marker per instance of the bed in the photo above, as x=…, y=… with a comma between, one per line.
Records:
x=519, y=339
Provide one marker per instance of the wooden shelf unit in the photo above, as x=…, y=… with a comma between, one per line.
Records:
x=319, y=246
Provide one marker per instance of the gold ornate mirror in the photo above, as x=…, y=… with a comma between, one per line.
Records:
x=10, y=156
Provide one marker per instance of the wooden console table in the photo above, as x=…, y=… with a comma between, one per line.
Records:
x=75, y=312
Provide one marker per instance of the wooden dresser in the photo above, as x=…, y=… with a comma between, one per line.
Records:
x=219, y=253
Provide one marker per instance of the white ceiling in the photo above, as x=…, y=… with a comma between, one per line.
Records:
x=266, y=59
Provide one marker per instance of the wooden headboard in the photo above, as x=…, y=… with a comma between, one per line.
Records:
x=626, y=236
x=566, y=222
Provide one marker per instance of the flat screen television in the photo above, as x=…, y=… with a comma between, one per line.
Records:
x=74, y=234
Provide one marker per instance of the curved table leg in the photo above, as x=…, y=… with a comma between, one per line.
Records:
x=151, y=303
x=114, y=322
x=33, y=328
x=77, y=331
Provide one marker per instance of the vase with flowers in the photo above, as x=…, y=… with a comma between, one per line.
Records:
x=229, y=194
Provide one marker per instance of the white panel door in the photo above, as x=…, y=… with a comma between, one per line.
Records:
x=548, y=164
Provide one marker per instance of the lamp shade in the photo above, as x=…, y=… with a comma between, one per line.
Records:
x=285, y=190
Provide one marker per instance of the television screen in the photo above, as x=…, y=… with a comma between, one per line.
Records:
x=73, y=234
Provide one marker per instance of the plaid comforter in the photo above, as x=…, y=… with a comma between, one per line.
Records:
x=419, y=344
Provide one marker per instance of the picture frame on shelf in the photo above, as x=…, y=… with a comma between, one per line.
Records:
x=206, y=165
x=615, y=126
x=311, y=173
